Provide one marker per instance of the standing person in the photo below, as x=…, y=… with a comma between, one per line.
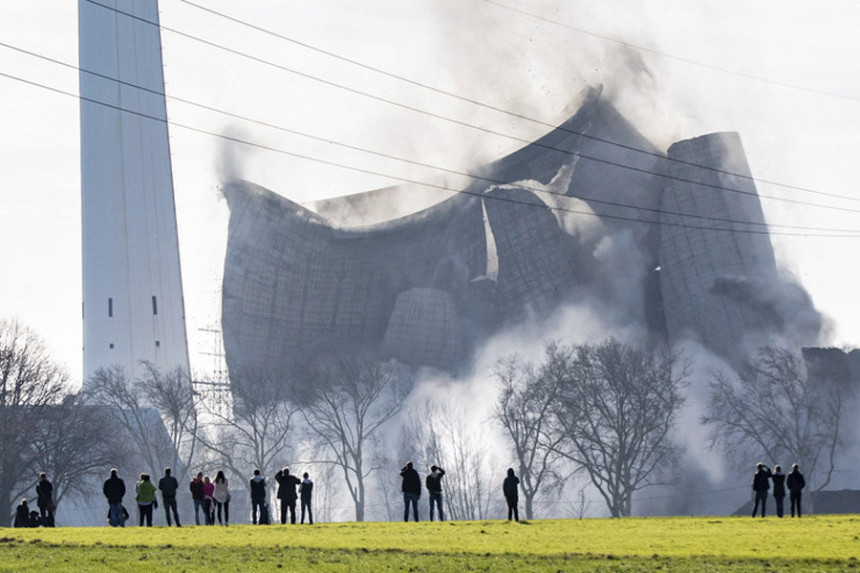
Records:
x=221, y=495
x=306, y=489
x=778, y=489
x=196, y=488
x=287, y=494
x=208, y=500
x=411, y=489
x=258, y=495
x=760, y=486
x=45, y=501
x=795, y=483
x=168, y=486
x=145, y=496
x=114, y=490
x=511, y=488
x=434, y=488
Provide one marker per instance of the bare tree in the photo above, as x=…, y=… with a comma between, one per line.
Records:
x=580, y=504
x=350, y=400
x=527, y=395
x=256, y=434
x=389, y=482
x=772, y=409
x=30, y=384
x=451, y=442
x=616, y=415
x=125, y=400
x=75, y=443
x=172, y=394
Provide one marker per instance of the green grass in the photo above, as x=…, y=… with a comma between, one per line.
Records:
x=817, y=543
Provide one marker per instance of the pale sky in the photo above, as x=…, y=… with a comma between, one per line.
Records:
x=783, y=73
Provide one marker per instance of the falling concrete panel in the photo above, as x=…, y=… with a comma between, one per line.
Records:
x=425, y=329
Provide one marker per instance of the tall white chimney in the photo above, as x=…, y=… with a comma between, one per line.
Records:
x=133, y=308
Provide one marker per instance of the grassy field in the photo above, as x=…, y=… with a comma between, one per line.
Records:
x=817, y=543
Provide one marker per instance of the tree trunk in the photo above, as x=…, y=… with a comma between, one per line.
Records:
x=6, y=508
x=359, y=500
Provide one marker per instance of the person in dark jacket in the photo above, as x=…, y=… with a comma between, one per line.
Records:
x=411, y=489
x=433, y=482
x=258, y=495
x=45, y=501
x=197, y=496
x=306, y=489
x=511, y=487
x=35, y=520
x=795, y=483
x=22, y=514
x=114, y=490
x=287, y=494
x=760, y=486
x=168, y=485
x=778, y=489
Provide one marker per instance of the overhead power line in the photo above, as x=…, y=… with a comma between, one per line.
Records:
x=472, y=176
x=478, y=127
x=510, y=113
x=673, y=56
x=482, y=195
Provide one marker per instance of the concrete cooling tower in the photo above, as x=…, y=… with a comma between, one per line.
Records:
x=723, y=284
x=530, y=233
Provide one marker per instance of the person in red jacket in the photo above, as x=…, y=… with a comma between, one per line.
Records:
x=208, y=500
x=196, y=487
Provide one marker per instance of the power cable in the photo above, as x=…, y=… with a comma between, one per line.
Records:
x=506, y=111
x=424, y=183
x=672, y=56
x=464, y=123
x=422, y=164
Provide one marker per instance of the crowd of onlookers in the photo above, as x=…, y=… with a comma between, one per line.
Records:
x=27, y=517
x=212, y=497
x=761, y=485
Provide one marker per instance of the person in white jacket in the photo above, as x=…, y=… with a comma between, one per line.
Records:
x=221, y=495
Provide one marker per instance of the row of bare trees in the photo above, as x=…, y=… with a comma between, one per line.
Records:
x=773, y=409
x=337, y=409
x=44, y=426
x=608, y=411
x=604, y=410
